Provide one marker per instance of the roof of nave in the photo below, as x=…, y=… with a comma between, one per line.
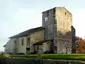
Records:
x=27, y=32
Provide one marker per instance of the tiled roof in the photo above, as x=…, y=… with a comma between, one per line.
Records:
x=41, y=42
x=27, y=32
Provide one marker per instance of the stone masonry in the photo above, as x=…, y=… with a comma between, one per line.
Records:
x=57, y=23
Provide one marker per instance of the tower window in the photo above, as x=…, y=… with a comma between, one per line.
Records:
x=46, y=18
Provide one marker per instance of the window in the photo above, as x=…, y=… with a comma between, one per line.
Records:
x=39, y=47
x=28, y=41
x=22, y=41
x=47, y=15
x=46, y=18
x=65, y=13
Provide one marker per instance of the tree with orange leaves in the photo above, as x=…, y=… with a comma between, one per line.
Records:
x=80, y=45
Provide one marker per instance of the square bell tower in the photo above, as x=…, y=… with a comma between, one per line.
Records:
x=57, y=23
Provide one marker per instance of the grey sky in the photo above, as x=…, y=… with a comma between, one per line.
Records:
x=19, y=15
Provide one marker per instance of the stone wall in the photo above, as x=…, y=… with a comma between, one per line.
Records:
x=57, y=23
x=48, y=23
x=64, y=34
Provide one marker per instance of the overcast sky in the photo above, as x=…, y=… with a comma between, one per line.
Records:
x=19, y=15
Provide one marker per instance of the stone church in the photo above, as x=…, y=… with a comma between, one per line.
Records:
x=56, y=35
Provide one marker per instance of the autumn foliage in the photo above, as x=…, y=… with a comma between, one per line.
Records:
x=80, y=45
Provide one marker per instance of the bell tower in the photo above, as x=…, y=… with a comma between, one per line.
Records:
x=48, y=23
x=57, y=23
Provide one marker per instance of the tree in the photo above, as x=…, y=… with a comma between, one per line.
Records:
x=80, y=45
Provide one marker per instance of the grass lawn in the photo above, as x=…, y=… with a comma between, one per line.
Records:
x=64, y=56
x=53, y=56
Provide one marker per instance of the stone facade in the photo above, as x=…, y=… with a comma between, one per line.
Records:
x=57, y=23
x=48, y=24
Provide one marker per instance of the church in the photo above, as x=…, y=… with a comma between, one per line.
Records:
x=56, y=35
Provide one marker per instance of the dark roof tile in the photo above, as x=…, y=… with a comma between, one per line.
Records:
x=27, y=32
x=41, y=42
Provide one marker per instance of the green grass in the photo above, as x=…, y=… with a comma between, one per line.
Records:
x=53, y=56
x=63, y=56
